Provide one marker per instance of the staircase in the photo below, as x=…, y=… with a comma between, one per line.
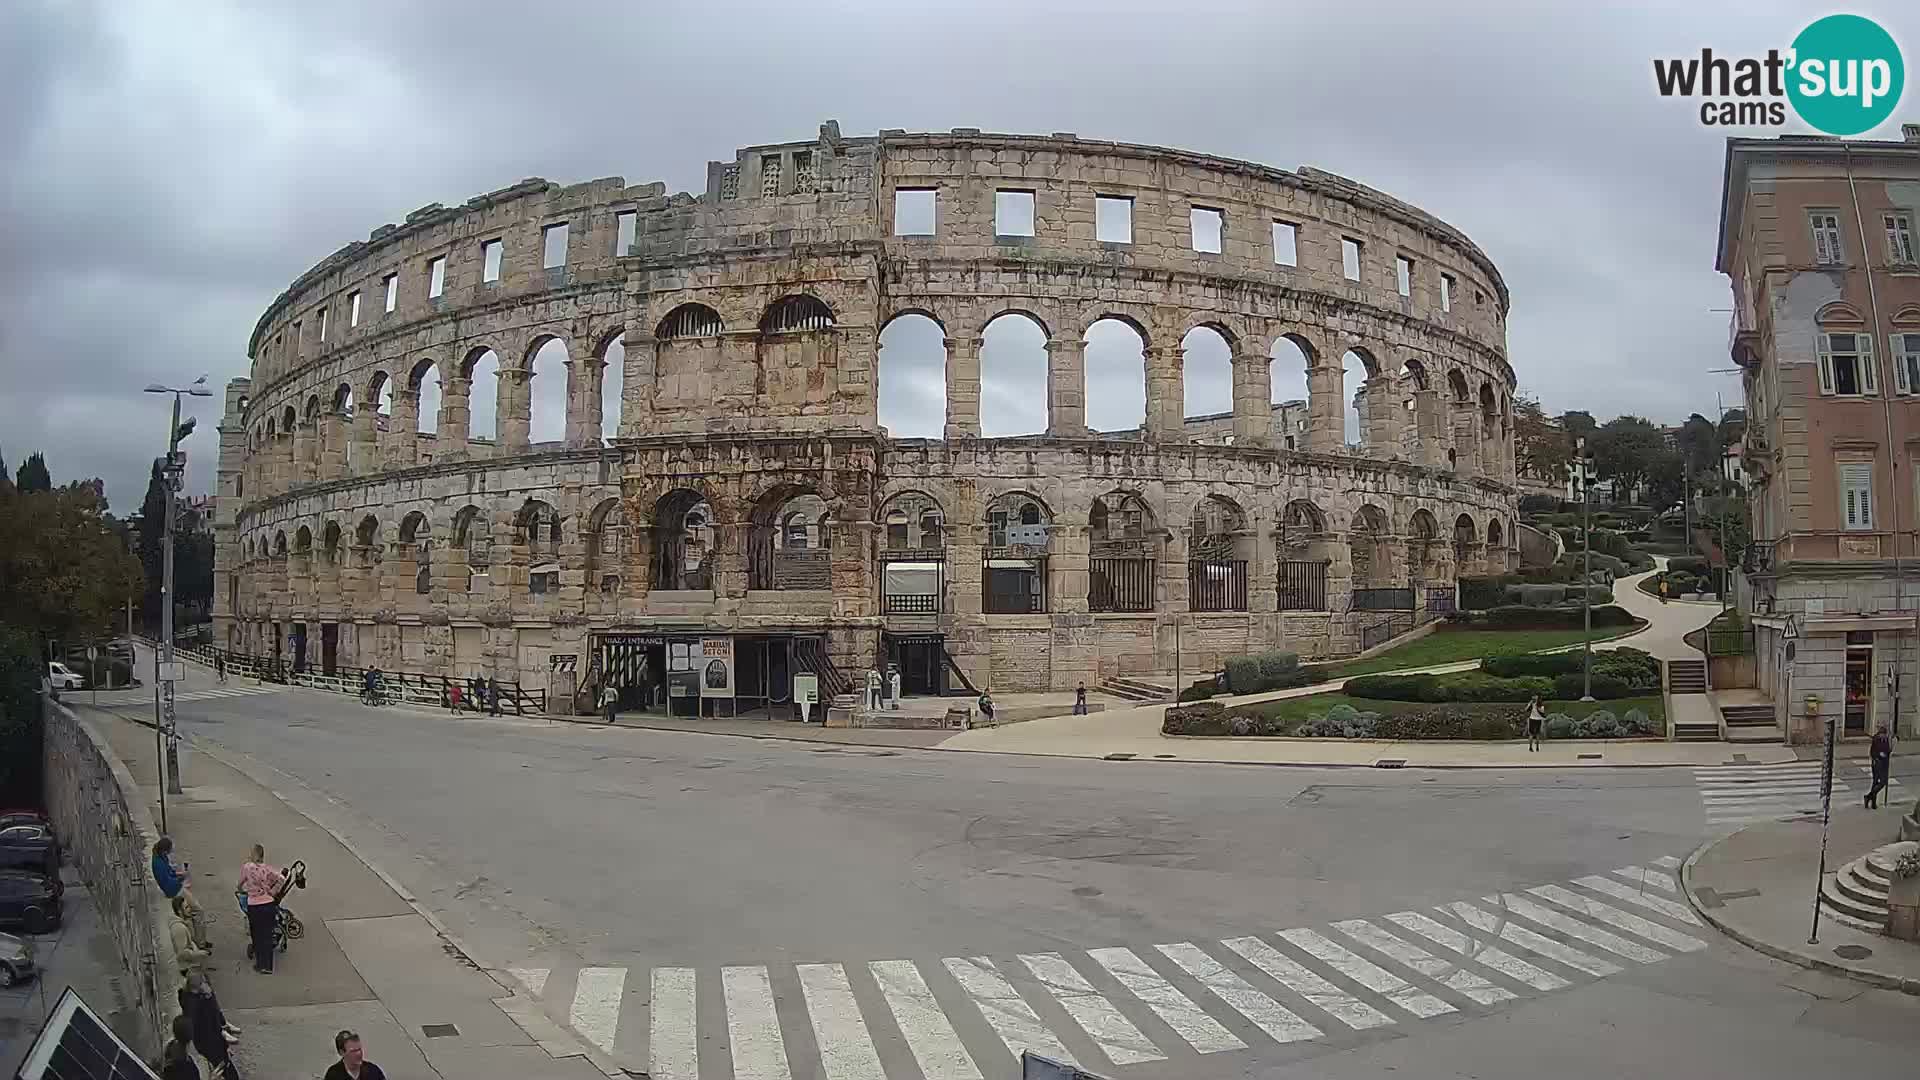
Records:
x=1750, y=723
x=1136, y=689
x=1694, y=720
x=1856, y=894
x=1687, y=676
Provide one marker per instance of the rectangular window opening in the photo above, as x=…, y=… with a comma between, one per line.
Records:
x=1403, y=274
x=1286, y=244
x=353, y=310
x=1900, y=239
x=1208, y=227
x=1350, y=258
x=1846, y=364
x=1013, y=213
x=323, y=324
x=436, y=277
x=626, y=223
x=1113, y=219
x=770, y=176
x=914, y=210
x=1856, y=495
x=553, y=248
x=1906, y=362
x=490, y=260
x=1826, y=236
x=1446, y=292
x=802, y=171
x=296, y=337
x=391, y=283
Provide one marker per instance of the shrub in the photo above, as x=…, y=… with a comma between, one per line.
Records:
x=1243, y=675
x=1462, y=686
x=1276, y=664
x=1558, y=726
x=1203, y=718
x=1453, y=722
x=1538, y=504
x=1200, y=691
x=1395, y=687
x=1602, y=724
x=1690, y=565
x=1478, y=593
x=1536, y=595
x=1637, y=722
x=1559, y=618
x=1548, y=664
x=1342, y=713
x=1606, y=686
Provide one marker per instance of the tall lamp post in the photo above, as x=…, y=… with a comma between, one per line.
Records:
x=174, y=472
x=1586, y=569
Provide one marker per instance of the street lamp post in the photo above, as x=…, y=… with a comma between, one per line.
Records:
x=1586, y=571
x=173, y=473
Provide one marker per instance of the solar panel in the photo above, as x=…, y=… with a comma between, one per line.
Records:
x=75, y=1045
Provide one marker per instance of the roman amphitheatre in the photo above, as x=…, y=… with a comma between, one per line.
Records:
x=722, y=476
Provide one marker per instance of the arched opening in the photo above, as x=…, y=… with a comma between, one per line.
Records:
x=1496, y=545
x=608, y=547
x=1356, y=369
x=280, y=545
x=416, y=538
x=1422, y=541
x=289, y=420
x=425, y=383
x=1206, y=375
x=303, y=542
x=537, y=532
x=471, y=546
x=1464, y=539
x=1013, y=376
x=330, y=543
x=1124, y=546
x=789, y=543
x=483, y=396
x=1372, y=569
x=796, y=349
x=689, y=321
x=1116, y=376
x=913, y=377
x=380, y=393
x=1218, y=550
x=1013, y=579
x=1300, y=539
x=682, y=542
x=1457, y=386
x=366, y=547
x=548, y=393
x=1290, y=358
x=613, y=386
x=798, y=313
x=913, y=556
x=688, y=352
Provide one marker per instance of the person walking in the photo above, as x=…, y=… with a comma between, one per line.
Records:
x=1880, y=753
x=353, y=1063
x=873, y=689
x=1080, y=700
x=493, y=696
x=453, y=698
x=220, y=666
x=1536, y=721
x=261, y=884
x=176, y=1058
x=1663, y=589
x=609, y=700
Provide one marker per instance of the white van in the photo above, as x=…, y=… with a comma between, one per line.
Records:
x=63, y=677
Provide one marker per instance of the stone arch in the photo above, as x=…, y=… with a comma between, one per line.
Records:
x=1464, y=532
x=1014, y=507
x=682, y=532
x=689, y=320
x=303, y=541
x=1228, y=327
x=1124, y=543
x=1290, y=357
x=289, y=419
x=789, y=538
x=343, y=400
x=1415, y=373
x=471, y=546
x=1013, y=578
x=796, y=313
x=1457, y=385
x=912, y=370
x=366, y=542
x=429, y=390
x=1838, y=313
x=379, y=392
x=612, y=355
x=1217, y=529
x=481, y=372
x=1496, y=536
x=548, y=362
x=1115, y=384
x=330, y=543
x=1423, y=537
x=268, y=436
x=312, y=409
x=609, y=546
x=416, y=536
x=280, y=544
x=913, y=520
x=1367, y=537
x=1206, y=371
x=537, y=528
x=1013, y=374
x=1121, y=522
x=923, y=312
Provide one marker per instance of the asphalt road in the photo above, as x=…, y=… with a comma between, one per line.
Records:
x=568, y=852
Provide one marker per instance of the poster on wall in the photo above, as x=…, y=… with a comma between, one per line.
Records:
x=680, y=656
x=716, y=667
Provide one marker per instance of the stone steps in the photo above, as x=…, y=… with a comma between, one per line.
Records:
x=1856, y=894
x=1750, y=723
x=1136, y=689
x=1696, y=732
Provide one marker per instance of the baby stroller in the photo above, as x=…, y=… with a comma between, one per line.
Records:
x=286, y=925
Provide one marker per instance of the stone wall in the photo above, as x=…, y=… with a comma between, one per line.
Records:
x=102, y=820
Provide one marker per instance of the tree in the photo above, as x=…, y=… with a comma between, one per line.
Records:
x=1578, y=424
x=1541, y=449
x=33, y=475
x=1625, y=450
x=64, y=573
x=1666, y=484
x=153, y=526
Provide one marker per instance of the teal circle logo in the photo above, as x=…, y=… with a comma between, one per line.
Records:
x=1847, y=75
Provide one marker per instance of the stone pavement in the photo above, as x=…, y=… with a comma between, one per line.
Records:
x=370, y=960
x=1757, y=886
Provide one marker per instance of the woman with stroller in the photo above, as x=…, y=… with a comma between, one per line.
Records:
x=261, y=884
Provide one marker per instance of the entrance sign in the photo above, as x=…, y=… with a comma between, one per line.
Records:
x=716, y=667
x=806, y=693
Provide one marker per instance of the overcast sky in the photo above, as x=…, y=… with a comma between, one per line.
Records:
x=164, y=175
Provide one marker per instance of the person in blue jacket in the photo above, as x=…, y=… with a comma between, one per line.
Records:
x=171, y=881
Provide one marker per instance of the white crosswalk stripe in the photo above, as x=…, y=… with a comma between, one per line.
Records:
x=144, y=696
x=969, y=1017
x=1667, y=862
x=1736, y=795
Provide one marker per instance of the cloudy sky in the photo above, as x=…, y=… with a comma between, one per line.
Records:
x=164, y=176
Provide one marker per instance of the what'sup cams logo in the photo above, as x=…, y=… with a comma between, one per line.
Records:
x=1843, y=75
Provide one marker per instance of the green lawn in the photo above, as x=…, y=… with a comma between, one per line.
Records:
x=1302, y=708
x=1448, y=646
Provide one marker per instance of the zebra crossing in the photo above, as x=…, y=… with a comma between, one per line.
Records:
x=144, y=695
x=1736, y=795
x=970, y=1017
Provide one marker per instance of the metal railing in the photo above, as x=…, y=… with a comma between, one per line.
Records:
x=1441, y=601
x=1302, y=585
x=912, y=603
x=1729, y=642
x=1385, y=630
x=1382, y=599
x=407, y=687
x=1120, y=585
x=1217, y=584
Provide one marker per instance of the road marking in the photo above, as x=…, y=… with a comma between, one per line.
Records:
x=1325, y=996
x=1668, y=862
x=846, y=1047
x=753, y=1028
x=1106, y=1025
x=534, y=979
x=1623, y=920
x=596, y=1004
x=1648, y=877
x=1188, y=1020
x=1444, y=972
x=1593, y=935
x=1279, y=1022
x=1018, y=1026
x=1491, y=956
x=1532, y=942
x=922, y=1023
x=1675, y=911
x=1367, y=973
x=673, y=1047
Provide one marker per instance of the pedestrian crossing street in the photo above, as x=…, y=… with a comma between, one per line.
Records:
x=144, y=695
x=970, y=1017
x=1736, y=795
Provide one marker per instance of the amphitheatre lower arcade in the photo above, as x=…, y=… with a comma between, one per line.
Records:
x=635, y=429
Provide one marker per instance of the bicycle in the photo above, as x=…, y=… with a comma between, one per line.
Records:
x=373, y=696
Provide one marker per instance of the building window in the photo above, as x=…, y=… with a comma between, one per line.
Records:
x=1350, y=258
x=353, y=309
x=489, y=260
x=730, y=182
x=1403, y=274
x=769, y=176
x=1826, y=236
x=391, y=283
x=1286, y=244
x=1013, y=213
x=913, y=211
x=1113, y=219
x=296, y=339
x=1899, y=238
x=803, y=171
x=1209, y=228
x=1906, y=362
x=437, y=277
x=1846, y=364
x=626, y=223
x=553, y=245
x=1856, y=494
x=1446, y=292
x=323, y=324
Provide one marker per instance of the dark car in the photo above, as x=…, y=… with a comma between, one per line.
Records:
x=29, y=845
x=29, y=900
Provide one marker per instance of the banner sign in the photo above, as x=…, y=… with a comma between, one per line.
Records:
x=716, y=667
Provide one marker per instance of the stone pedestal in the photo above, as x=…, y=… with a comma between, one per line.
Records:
x=1903, y=908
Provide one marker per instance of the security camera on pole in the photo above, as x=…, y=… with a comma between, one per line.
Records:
x=174, y=471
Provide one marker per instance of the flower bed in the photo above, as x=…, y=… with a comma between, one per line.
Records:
x=1437, y=721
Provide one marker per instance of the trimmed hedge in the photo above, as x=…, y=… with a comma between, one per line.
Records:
x=1607, y=686
x=1273, y=669
x=1463, y=686
x=1526, y=618
x=1691, y=565
x=1430, y=722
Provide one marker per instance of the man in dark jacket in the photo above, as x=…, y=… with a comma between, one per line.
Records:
x=1881, y=754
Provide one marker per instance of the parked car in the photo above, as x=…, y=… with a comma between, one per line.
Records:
x=16, y=961
x=63, y=677
x=29, y=900
x=30, y=845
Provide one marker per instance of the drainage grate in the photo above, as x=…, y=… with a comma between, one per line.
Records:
x=1119, y=757
x=1390, y=763
x=1852, y=952
x=1587, y=757
x=1739, y=759
x=438, y=1031
x=1164, y=757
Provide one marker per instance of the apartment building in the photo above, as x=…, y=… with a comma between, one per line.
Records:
x=1817, y=237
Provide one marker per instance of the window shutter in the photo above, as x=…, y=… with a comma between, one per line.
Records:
x=1826, y=363
x=1902, y=380
x=1868, y=380
x=1822, y=251
x=1856, y=482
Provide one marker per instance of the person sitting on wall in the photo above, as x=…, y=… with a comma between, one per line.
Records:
x=986, y=704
